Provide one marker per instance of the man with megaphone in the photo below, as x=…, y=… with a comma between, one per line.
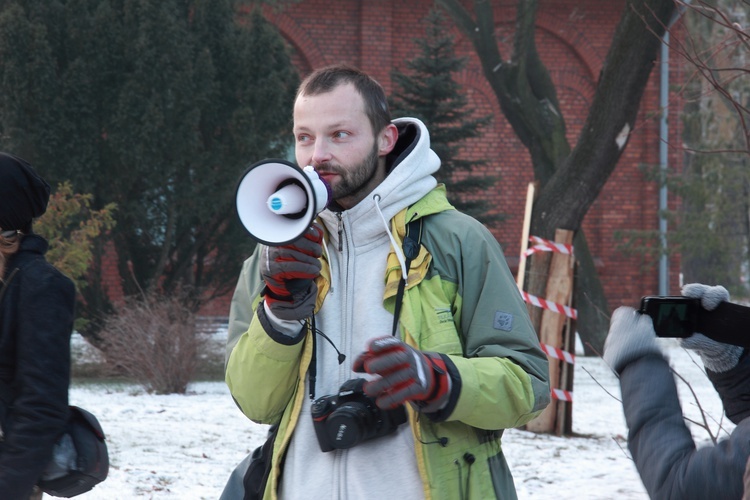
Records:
x=428, y=352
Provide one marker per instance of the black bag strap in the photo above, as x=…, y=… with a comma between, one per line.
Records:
x=412, y=243
x=256, y=475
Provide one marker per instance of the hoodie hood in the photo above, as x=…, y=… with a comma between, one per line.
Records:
x=410, y=168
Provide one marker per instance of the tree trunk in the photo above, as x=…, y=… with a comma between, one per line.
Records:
x=570, y=180
x=565, y=199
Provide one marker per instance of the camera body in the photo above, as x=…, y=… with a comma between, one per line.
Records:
x=676, y=316
x=344, y=420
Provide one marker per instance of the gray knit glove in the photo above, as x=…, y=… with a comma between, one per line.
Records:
x=717, y=357
x=631, y=336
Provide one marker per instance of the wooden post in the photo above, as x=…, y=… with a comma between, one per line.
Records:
x=530, y=195
x=560, y=291
x=564, y=421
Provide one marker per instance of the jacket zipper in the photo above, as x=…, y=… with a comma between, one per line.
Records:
x=340, y=231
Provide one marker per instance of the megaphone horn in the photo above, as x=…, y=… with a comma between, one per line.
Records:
x=277, y=201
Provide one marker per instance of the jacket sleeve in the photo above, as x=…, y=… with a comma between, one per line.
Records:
x=733, y=389
x=40, y=409
x=264, y=370
x=262, y=365
x=662, y=446
x=245, y=299
x=503, y=373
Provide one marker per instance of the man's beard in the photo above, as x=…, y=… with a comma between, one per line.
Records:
x=353, y=180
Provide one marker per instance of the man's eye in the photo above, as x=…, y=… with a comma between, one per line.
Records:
x=341, y=134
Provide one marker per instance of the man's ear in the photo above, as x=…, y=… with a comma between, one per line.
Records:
x=387, y=139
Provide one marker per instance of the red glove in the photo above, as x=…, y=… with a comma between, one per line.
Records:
x=289, y=272
x=406, y=374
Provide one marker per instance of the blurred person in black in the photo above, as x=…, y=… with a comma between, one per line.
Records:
x=36, y=321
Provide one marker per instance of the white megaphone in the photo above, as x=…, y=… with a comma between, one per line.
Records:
x=277, y=201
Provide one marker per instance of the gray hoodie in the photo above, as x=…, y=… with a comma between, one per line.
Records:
x=352, y=314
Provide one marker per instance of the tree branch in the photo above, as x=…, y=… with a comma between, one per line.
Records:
x=576, y=184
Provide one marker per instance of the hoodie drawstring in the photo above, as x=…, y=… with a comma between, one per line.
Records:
x=396, y=248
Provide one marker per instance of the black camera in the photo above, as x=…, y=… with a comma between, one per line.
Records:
x=346, y=419
x=675, y=316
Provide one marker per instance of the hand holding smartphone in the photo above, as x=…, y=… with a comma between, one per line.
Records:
x=677, y=316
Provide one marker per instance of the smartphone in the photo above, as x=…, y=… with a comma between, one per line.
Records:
x=681, y=317
x=673, y=316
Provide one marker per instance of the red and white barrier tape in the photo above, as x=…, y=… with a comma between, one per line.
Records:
x=542, y=245
x=558, y=308
x=562, y=395
x=556, y=353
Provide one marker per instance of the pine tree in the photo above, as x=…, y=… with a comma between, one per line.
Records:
x=429, y=92
x=155, y=106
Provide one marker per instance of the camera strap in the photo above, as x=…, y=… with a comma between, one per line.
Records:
x=412, y=243
x=411, y=246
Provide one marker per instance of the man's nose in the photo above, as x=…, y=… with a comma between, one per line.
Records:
x=321, y=153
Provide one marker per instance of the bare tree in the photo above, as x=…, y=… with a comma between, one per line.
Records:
x=712, y=227
x=570, y=179
x=725, y=61
x=153, y=340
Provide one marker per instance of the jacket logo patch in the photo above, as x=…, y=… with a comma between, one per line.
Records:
x=503, y=321
x=443, y=315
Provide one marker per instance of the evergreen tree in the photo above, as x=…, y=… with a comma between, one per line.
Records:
x=157, y=107
x=429, y=92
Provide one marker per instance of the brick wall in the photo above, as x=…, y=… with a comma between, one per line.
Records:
x=573, y=38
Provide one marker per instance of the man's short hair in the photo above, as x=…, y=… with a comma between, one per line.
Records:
x=326, y=79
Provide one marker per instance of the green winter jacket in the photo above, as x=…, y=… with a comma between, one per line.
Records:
x=461, y=300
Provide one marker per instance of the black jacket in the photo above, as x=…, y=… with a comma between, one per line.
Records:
x=733, y=387
x=662, y=446
x=36, y=322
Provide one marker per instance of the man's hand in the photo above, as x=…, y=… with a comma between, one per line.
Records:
x=631, y=336
x=717, y=357
x=289, y=272
x=405, y=374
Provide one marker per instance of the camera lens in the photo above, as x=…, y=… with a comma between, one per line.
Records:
x=349, y=425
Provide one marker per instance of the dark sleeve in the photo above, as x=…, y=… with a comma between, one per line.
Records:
x=40, y=410
x=662, y=446
x=733, y=389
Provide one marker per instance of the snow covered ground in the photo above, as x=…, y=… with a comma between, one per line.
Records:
x=185, y=446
